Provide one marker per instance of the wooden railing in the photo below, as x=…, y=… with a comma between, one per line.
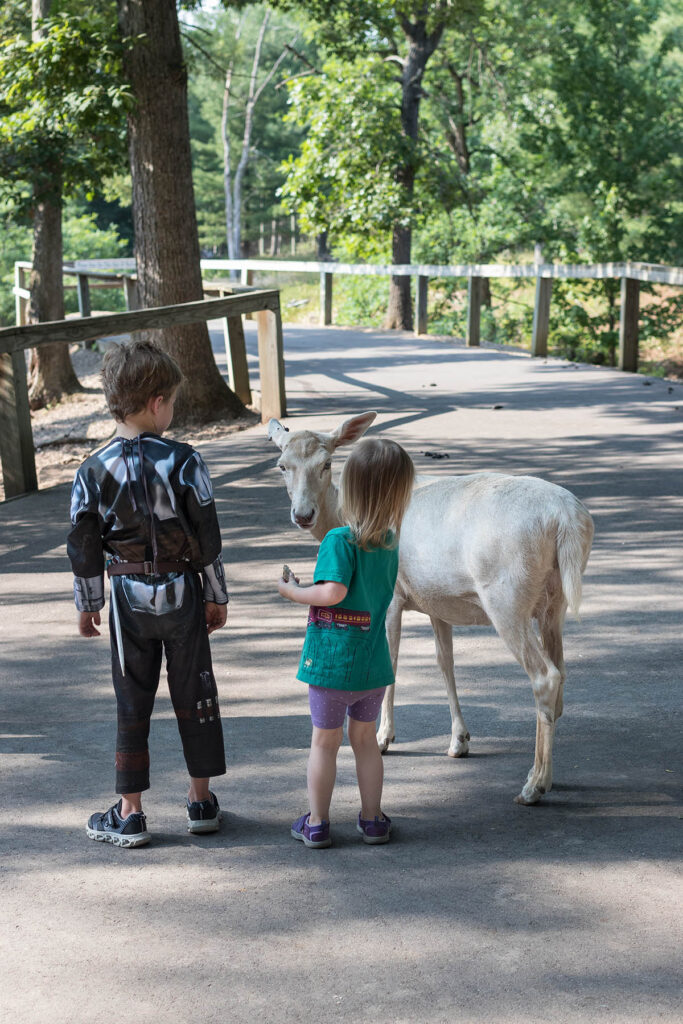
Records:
x=17, y=454
x=630, y=274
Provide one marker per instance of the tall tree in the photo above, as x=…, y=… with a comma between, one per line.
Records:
x=166, y=240
x=238, y=63
x=405, y=34
x=51, y=374
x=61, y=129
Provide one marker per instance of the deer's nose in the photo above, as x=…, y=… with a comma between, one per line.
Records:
x=304, y=521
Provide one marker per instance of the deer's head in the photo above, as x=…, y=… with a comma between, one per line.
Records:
x=306, y=465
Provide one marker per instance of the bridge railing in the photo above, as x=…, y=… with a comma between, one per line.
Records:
x=17, y=453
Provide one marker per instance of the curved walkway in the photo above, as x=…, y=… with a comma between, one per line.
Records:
x=480, y=910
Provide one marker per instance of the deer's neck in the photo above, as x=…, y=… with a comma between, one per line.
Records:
x=328, y=515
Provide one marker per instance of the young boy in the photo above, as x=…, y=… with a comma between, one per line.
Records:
x=148, y=503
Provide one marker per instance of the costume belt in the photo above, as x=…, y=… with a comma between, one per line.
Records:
x=146, y=568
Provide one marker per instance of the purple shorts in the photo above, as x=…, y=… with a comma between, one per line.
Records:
x=329, y=707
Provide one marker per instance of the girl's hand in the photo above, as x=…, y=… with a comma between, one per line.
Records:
x=87, y=622
x=287, y=587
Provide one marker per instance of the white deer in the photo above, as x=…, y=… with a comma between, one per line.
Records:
x=481, y=549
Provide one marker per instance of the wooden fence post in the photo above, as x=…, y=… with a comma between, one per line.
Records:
x=541, y=325
x=474, y=290
x=236, y=355
x=83, y=289
x=20, y=301
x=271, y=359
x=628, y=324
x=325, y=299
x=84, y=307
x=247, y=278
x=16, y=437
x=130, y=291
x=421, y=304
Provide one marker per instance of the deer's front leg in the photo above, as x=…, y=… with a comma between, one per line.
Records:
x=443, y=636
x=387, y=731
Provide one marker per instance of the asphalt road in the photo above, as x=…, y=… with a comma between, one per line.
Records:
x=480, y=910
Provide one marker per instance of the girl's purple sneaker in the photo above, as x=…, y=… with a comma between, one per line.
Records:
x=375, y=832
x=316, y=836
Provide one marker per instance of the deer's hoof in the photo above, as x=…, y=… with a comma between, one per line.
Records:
x=383, y=743
x=530, y=795
x=461, y=747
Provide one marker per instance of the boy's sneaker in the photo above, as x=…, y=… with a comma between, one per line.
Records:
x=204, y=815
x=316, y=836
x=110, y=827
x=375, y=832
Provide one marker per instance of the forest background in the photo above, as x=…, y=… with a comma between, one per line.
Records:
x=552, y=125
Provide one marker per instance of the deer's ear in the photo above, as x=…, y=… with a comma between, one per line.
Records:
x=351, y=430
x=277, y=433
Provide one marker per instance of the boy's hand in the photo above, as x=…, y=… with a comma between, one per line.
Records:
x=87, y=622
x=216, y=615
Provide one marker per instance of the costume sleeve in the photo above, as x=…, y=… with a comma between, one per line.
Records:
x=84, y=547
x=336, y=559
x=195, y=486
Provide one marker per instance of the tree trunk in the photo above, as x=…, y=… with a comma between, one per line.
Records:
x=421, y=46
x=322, y=250
x=51, y=374
x=400, y=308
x=164, y=217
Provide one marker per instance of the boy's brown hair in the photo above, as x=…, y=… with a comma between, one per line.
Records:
x=375, y=489
x=135, y=372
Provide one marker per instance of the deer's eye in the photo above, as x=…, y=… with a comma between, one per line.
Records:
x=327, y=465
x=283, y=469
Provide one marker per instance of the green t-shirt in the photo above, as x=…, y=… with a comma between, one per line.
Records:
x=346, y=645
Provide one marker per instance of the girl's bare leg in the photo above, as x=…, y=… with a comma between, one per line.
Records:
x=322, y=771
x=369, y=767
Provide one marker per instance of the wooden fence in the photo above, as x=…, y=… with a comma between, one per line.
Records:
x=16, y=441
x=17, y=454
x=630, y=274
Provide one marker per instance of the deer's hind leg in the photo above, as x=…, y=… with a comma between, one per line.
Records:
x=513, y=625
x=443, y=636
x=387, y=731
x=551, y=623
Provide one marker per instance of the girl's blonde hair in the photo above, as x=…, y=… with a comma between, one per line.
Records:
x=374, y=491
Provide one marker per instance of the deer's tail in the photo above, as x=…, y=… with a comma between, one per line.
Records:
x=574, y=539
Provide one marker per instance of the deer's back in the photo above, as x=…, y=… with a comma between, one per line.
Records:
x=461, y=534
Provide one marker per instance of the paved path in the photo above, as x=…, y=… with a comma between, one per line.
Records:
x=480, y=910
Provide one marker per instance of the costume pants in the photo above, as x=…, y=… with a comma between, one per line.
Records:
x=179, y=631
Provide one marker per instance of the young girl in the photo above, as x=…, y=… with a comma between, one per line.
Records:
x=345, y=658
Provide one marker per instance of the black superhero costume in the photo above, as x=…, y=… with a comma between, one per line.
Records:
x=148, y=502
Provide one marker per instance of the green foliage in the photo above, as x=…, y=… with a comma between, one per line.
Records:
x=345, y=173
x=62, y=109
x=361, y=300
x=82, y=240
